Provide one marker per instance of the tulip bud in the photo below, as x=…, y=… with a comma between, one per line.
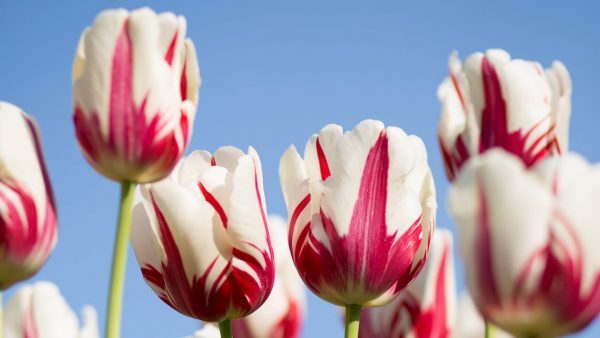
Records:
x=28, y=227
x=361, y=208
x=493, y=101
x=281, y=316
x=528, y=239
x=40, y=311
x=135, y=92
x=201, y=236
x=426, y=308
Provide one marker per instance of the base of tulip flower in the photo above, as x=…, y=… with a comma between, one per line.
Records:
x=489, y=330
x=117, y=279
x=225, y=328
x=352, y=320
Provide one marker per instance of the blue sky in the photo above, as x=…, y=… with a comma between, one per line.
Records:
x=275, y=72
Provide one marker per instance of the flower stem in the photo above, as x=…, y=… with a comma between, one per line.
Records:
x=489, y=330
x=117, y=279
x=225, y=328
x=352, y=320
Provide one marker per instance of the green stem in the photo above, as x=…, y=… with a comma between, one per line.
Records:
x=489, y=330
x=352, y=320
x=117, y=279
x=225, y=328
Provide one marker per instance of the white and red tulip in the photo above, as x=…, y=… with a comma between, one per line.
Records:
x=28, y=225
x=528, y=239
x=40, y=311
x=426, y=308
x=470, y=324
x=361, y=208
x=201, y=236
x=282, y=315
x=493, y=101
x=135, y=92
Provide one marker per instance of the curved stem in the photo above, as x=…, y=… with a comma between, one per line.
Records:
x=117, y=279
x=225, y=328
x=352, y=320
x=489, y=330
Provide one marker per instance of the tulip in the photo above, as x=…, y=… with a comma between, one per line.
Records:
x=361, y=208
x=469, y=323
x=281, y=316
x=135, y=91
x=28, y=226
x=40, y=311
x=493, y=101
x=201, y=236
x=426, y=308
x=528, y=239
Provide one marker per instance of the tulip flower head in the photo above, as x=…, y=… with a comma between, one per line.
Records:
x=28, y=226
x=201, y=236
x=426, y=308
x=361, y=208
x=135, y=92
x=282, y=315
x=493, y=101
x=40, y=311
x=528, y=241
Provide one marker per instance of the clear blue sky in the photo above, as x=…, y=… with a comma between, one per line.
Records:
x=274, y=72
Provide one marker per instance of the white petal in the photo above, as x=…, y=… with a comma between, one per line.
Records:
x=295, y=185
x=192, y=166
x=91, y=88
x=469, y=323
x=560, y=83
x=228, y=157
x=347, y=162
x=89, y=328
x=191, y=221
x=517, y=215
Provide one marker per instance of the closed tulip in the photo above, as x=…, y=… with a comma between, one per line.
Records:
x=493, y=101
x=528, y=239
x=470, y=324
x=201, y=236
x=40, y=311
x=361, y=208
x=282, y=315
x=28, y=227
x=135, y=91
x=426, y=308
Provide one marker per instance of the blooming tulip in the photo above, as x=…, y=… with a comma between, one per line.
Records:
x=426, y=308
x=28, y=227
x=528, y=239
x=40, y=311
x=281, y=316
x=201, y=236
x=493, y=101
x=361, y=208
x=469, y=323
x=135, y=91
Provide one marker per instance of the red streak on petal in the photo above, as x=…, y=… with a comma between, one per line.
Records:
x=483, y=254
x=210, y=198
x=323, y=166
x=183, y=82
x=171, y=50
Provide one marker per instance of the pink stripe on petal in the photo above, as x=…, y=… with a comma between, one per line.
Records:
x=171, y=51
